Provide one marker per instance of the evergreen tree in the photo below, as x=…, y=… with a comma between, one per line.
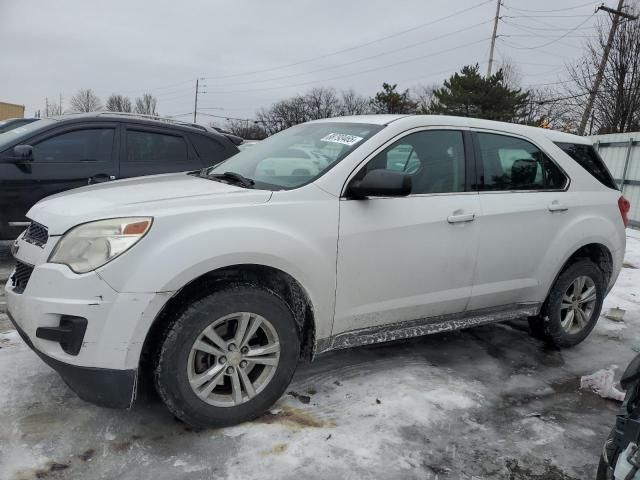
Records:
x=390, y=101
x=469, y=94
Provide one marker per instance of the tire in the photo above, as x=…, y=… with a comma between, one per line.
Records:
x=181, y=363
x=554, y=324
x=607, y=465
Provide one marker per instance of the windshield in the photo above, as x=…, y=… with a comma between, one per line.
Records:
x=298, y=155
x=8, y=137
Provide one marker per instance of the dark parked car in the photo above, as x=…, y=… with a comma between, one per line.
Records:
x=11, y=123
x=56, y=154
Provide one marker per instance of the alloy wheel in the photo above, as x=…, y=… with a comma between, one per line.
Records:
x=577, y=305
x=233, y=359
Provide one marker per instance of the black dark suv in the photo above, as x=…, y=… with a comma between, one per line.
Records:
x=56, y=154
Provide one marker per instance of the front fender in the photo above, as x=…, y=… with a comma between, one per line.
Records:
x=295, y=237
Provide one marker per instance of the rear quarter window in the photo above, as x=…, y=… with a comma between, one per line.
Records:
x=588, y=158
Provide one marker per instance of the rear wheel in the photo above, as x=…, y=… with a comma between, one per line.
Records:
x=228, y=357
x=573, y=306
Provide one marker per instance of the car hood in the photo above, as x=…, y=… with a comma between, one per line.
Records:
x=142, y=196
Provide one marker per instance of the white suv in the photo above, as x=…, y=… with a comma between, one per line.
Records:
x=217, y=282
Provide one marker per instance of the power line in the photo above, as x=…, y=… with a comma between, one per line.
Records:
x=354, y=47
x=421, y=57
x=548, y=11
x=547, y=16
x=549, y=27
x=149, y=90
x=558, y=38
x=351, y=62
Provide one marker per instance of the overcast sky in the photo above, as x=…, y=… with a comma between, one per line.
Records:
x=49, y=47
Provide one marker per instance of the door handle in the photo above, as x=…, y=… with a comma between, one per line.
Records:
x=557, y=206
x=99, y=178
x=461, y=217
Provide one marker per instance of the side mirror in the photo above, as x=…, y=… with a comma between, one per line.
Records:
x=380, y=183
x=23, y=153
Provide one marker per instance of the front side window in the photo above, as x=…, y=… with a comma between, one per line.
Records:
x=434, y=159
x=510, y=163
x=89, y=145
x=298, y=155
x=152, y=147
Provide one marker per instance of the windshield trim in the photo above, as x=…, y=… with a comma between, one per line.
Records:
x=258, y=183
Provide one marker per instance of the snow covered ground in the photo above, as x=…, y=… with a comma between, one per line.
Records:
x=484, y=403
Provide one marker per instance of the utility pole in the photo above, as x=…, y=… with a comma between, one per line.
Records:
x=60, y=112
x=493, y=37
x=195, y=106
x=605, y=58
x=46, y=107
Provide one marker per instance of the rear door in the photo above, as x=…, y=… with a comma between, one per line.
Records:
x=148, y=150
x=522, y=195
x=63, y=158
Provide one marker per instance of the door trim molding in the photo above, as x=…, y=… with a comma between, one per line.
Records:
x=425, y=326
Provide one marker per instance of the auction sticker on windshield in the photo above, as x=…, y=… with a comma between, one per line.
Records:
x=342, y=138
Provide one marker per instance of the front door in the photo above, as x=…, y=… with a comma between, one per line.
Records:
x=62, y=159
x=409, y=257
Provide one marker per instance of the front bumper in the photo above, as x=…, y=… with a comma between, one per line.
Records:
x=102, y=386
x=102, y=366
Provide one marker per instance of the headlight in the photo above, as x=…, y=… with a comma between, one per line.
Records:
x=91, y=245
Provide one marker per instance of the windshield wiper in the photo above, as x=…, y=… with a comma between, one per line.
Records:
x=233, y=177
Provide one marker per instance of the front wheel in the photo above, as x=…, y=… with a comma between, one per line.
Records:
x=573, y=306
x=228, y=357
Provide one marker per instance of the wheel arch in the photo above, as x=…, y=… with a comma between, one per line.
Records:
x=277, y=281
x=597, y=252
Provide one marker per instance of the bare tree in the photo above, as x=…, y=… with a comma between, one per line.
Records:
x=85, y=101
x=118, y=103
x=322, y=102
x=511, y=73
x=353, y=104
x=146, y=105
x=617, y=104
x=423, y=96
x=247, y=129
x=52, y=109
x=547, y=109
x=284, y=114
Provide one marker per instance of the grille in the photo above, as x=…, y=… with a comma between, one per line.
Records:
x=21, y=276
x=37, y=234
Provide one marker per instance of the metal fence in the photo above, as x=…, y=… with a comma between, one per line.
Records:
x=621, y=153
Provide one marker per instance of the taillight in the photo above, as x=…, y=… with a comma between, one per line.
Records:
x=624, y=206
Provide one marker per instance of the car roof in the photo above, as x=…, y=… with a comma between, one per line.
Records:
x=452, y=121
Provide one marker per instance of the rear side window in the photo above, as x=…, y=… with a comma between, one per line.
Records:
x=90, y=145
x=589, y=159
x=510, y=163
x=209, y=150
x=152, y=147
